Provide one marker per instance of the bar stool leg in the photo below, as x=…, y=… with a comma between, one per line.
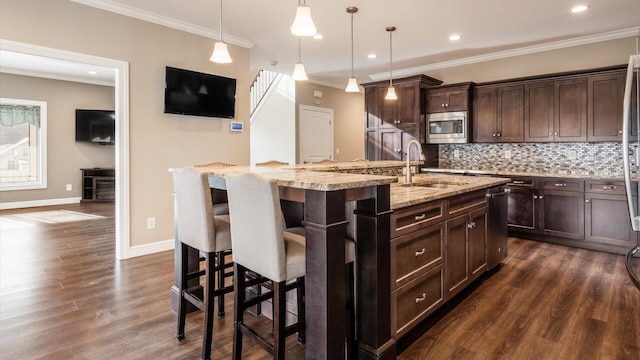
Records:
x=239, y=273
x=220, y=258
x=302, y=335
x=208, y=303
x=279, y=319
x=182, y=285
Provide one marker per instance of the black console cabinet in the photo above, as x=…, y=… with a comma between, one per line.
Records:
x=98, y=184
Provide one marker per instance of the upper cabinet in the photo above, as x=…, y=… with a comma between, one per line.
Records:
x=573, y=107
x=448, y=98
x=391, y=124
x=498, y=113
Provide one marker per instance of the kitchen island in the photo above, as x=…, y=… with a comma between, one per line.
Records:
x=319, y=199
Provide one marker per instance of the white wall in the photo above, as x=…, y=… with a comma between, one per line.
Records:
x=273, y=128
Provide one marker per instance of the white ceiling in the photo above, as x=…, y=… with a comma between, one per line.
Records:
x=490, y=29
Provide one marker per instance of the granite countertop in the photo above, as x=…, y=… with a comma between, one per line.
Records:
x=303, y=179
x=356, y=164
x=521, y=173
x=403, y=195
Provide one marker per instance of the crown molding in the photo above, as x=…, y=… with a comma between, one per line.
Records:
x=164, y=21
x=583, y=40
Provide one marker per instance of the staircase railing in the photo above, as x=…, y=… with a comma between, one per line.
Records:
x=259, y=88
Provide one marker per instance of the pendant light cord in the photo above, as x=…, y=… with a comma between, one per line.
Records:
x=391, y=58
x=299, y=49
x=352, y=45
x=221, y=21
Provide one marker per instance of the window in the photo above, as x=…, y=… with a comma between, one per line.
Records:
x=23, y=144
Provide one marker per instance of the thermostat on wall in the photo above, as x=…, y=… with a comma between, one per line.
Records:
x=237, y=126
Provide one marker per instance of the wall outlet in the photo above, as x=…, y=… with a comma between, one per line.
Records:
x=337, y=151
x=151, y=223
x=69, y=187
x=507, y=154
x=456, y=153
x=571, y=155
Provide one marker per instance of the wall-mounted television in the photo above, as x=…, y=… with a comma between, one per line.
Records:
x=96, y=126
x=193, y=93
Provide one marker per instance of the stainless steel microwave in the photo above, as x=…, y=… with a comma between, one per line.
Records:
x=447, y=128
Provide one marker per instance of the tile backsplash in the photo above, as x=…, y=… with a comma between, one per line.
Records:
x=561, y=158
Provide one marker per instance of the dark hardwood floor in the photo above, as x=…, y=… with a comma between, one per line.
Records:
x=64, y=296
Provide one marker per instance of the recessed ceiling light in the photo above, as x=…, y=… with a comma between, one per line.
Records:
x=579, y=8
x=318, y=36
x=454, y=37
x=372, y=56
x=93, y=73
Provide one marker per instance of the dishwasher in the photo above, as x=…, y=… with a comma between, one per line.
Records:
x=497, y=225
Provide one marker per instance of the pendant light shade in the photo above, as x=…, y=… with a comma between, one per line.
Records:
x=352, y=85
x=391, y=92
x=303, y=23
x=299, y=72
x=220, y=53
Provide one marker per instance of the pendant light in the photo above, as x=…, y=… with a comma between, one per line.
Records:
x=391, y=92
x=220, y=53
x=352, y=85
x=303, y=24
x=298, y=71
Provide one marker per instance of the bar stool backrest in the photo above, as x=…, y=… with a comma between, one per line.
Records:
x=194, y=209
x=257, y=225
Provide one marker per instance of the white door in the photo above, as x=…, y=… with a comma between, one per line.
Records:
x=315, y=133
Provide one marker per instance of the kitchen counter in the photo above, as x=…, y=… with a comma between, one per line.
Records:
x=403, y=195
x=521, y=173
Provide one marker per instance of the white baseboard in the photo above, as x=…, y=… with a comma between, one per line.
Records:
x=147, y=249
x=36, y=203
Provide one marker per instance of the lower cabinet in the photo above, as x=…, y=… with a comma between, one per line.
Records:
x=591, y=214
x=437, y=249
x=466, y=250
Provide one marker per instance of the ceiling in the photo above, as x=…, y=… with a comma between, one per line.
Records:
x=489, y=29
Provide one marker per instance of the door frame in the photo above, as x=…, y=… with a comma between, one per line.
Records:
x=121, y=89
x=319, y=109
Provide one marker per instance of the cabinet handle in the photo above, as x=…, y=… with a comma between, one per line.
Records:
x=608, y=187
x=421, y=298
x=442, y=105
x=494, y=135
x=540, y=197
x=619, y=131
x=446, y=105
x=499, y=134
x=550, y=134
x=517, y=182
x=535, y=197
x=421, y=252
x=420, y=217
x=556, y=134
x=471, y=225
x=587, y=201
x=561, y=185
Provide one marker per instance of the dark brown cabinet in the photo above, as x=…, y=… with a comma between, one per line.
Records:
x=562, y=214
x=538, y=111
x=448, y=98
x=498, y=114
x=607, y=215
x=570, y=111
x=604, y=115
x=391, y=124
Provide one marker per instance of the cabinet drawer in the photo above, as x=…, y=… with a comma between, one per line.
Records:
x=612, y=187
x=560, y=184
x=467, y=202
x=416, y=300
x=415, y=253
x=525, y=182
x=412, y=218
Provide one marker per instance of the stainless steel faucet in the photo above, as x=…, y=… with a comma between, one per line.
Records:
x=422, y=158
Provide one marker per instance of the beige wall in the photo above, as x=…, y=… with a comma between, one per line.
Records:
x=157, y=141
x=348, y=116
x=607, y=53
x=65, y=156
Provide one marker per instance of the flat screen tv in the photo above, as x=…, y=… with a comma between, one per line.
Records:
x=96, y=126
x=193, y=93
